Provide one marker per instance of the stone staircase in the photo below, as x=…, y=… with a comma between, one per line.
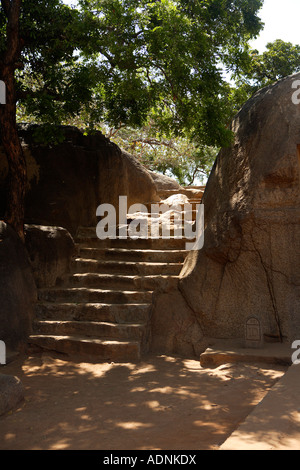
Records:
x=102, y=309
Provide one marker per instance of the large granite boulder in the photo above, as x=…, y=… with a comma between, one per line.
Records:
x=250, y=262
x=164, y=182
x=17, y=290
x=50, y=250
x=12, y=392
x=68, y=181
x=41, y=262
x=174, y=326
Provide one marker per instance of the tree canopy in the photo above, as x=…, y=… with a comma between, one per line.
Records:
x=122, y=63
x=119, y=62
x=279, y=60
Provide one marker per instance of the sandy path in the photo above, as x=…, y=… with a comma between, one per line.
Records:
x=162, y=403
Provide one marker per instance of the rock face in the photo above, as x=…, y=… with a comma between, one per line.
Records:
x=163, y=182
x=67, y=182
x=17, y=290
x=11, y=392
x=42, y=262
x=250, y=262
x=50, y=251
x=175, y=328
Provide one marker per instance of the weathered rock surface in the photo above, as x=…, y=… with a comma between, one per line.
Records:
x=68, y=181
x=250, y=262
x=17, y=290
x=50, y=251
x=174, y=326
x=11, y=392
x=175, y=329
x=163, y=182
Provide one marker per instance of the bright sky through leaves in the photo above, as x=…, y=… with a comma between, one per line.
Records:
x=281, y=20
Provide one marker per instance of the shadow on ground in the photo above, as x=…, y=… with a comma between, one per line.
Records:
x=161, y=403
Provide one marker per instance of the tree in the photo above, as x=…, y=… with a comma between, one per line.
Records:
x=10, y=56
x=35, y=38
x=177, y=157
x=279, y=60
x=122, y=63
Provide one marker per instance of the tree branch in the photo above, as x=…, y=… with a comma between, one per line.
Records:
x=114, y=131
x=154, y=142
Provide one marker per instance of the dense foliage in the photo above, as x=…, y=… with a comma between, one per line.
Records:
x=150, y=73
x=123, y=62
x=279, y=60
x=153, y=74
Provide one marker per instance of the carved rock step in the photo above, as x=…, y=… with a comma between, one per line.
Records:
x=168, y=256
x=83, y=294
x=130, y=243
x=102, y=308
x=123, y=235
x=102, y=350
x=190, y=192
x=90, y=329
x=159, y=207
x=123, y=282
x=99, y=312
x=81, y=265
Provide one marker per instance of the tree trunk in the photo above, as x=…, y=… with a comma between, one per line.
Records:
x=14, y=215
x=8, y=127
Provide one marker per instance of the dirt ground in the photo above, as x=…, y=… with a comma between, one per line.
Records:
x=161, y=403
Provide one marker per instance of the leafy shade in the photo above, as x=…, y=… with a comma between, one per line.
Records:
x=123, y=62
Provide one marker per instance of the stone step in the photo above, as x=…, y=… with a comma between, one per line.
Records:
x=177, y=220
x=90, y=329
x=167, y=256
x=194, y=201
x=157, y=207
x=176, y=215
x=83, y=294
x=193, y=186
x=123, y=282
x=92, y=241
x=189, y=192
x=80, y=265
x=122, y=230
x=101, y=350
x=102, y=309
x=99, y=312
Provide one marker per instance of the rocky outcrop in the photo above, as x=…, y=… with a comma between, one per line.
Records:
x=174, y=326
x=163, y=182
x=12, y=392
x=17, y=290
x=250, y=262
x=68, y=181
x=42, y=262
x=50, y=250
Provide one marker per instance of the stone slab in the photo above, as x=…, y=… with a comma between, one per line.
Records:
x=223, y=352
